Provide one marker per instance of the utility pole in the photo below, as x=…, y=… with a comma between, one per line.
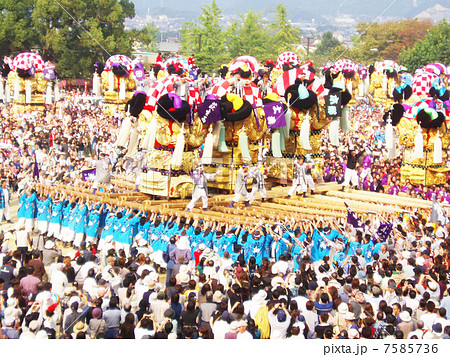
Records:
x=200, y=42
x=307, y=46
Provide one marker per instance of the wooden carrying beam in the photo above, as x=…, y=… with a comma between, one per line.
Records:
x=390, y=200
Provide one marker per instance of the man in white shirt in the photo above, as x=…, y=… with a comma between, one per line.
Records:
x=243, y=334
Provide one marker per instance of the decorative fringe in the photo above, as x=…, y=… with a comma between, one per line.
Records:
x=282, y=140
x=276, y=150
x=16, y=88
x=384, y=85
x=418, y=144
x=28, y=92
x=208, y=148
x=222, y=147
x=334, y=132
x=48, y=94
x=96, y=85
x=57, y=91
x=243, y=146
x=111, y=81
x=145, y=140
x=437, y=154
x=389, y=134
x=122, y=89
x=391, y=87
x=393, y=150
x=344, y=122
x=305, y=131
x=133, y=143
x=152, y=128
x=287, y=128
x=216, y=133
x=177, y=156
x=124, y=132
x=7, y=94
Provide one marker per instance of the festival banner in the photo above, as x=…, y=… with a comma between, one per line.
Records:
x=275, y=115
x=353, y=219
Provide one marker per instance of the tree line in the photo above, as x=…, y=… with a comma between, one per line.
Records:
x=73, y=35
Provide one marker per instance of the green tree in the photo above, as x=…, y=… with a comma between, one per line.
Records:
x=434, y=48
x=250, y=36
x=285, y=36
x=94, y=30
x=146, y=38
x=386, y=40
x=15, y=27
x=327, y=44
x=205, y=38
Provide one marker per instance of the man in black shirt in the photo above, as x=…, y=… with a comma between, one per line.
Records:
x=350, y=172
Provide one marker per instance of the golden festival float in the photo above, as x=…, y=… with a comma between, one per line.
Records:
x=28, y=82
x=420, y=115
x=117, y=82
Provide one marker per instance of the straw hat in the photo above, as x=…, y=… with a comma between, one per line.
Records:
x=80, y=326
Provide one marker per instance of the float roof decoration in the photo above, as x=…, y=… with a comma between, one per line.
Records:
x=286, y=58
x=411, y=113
x=119, y=60
x=26, y=60
x=250, y=91
x=251, y=61
x=436, y=68
x=422, y=82
x=288, y=78
x=344, y=64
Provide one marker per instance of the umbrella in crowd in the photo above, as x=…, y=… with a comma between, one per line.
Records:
x=386, y=65
x=177, y=61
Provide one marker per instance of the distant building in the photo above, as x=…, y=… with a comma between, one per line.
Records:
x=147, y=58
x=172, y=47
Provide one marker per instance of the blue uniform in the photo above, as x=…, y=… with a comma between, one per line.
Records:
x=81, y=216
x=254, y=247
x=43, y=209
x=93, y=225
x=224, y=244
x=21, y=206
x=57, y=210
x=30, y=206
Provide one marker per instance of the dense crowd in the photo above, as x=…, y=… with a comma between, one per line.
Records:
x=81, y=268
